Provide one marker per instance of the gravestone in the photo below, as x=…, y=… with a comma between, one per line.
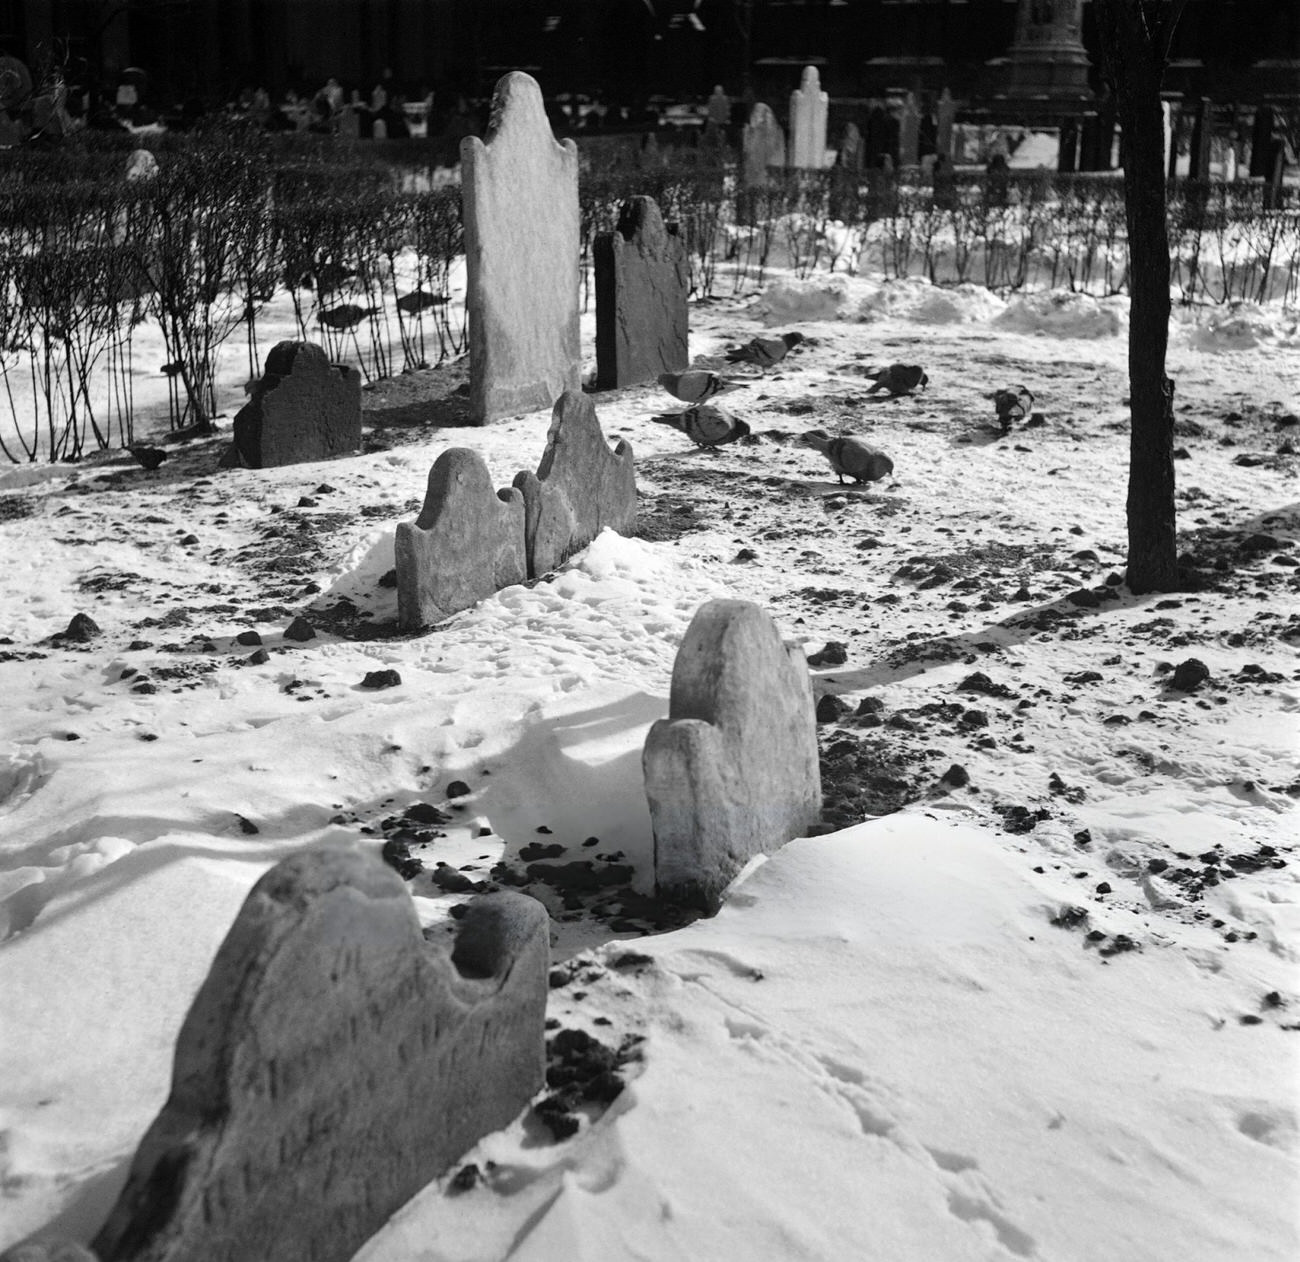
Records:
x=580, y=487
x=732, y=772
x=851, y=148
x=304, y=408
x=642, y=282
x=762, y=146
x=467, y=542
x=718, y=108
x=808, y=106
x=140, y=165
x=333, y=1063
x=520, y=195
x=909, y=133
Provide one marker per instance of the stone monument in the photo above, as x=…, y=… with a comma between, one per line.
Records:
x=808, y=109
x=520, y=195
x=762, y=146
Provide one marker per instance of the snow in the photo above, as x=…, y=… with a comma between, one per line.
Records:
x=882, y=1046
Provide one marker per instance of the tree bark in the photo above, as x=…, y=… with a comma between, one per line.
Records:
x=1135, y=43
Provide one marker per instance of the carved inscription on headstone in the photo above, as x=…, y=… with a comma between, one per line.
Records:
x=467, y=542
x=304, y=408
x=733, y=771
x=520, y=196
x=333, y=1063
x=580, y=486
x=642, y=281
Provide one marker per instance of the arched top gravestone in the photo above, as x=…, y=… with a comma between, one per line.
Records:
x=519, y=189
x=762, y=146
x=467, y=542
x=580, y=486
x=808, y=111
x=333, y=1064
x=733, y=771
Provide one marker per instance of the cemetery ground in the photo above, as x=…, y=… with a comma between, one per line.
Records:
x=1033, y=993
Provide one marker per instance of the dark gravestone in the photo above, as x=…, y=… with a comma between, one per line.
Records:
x=580, y=486
x=333, y=1064
x=303, y=409
x=733, y=771
x=642, y=281
x=467, y=542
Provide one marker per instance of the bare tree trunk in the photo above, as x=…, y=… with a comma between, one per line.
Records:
x=1135, y=44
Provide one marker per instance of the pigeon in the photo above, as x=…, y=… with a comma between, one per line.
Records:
x=149, y=457
x=764, y=352
x=417, y=301
x=707, y=425
x=695, y=386
x=1012, y=404
x=347, y=315
x=849, y=456
x=899, y=378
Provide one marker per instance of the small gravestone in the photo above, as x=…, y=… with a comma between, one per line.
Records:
x=642, y=281
x=520, y=195
x=946, y=117
x=580, y=487
x=304, y=408
x=467, y=542
x=762, y=146
x=808, y=106
x=732, y=772
x=718, y=108
x=909, y=133
x=851, y=148
x=332, y=1065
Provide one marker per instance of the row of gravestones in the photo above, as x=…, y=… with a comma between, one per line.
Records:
x=334, y=1062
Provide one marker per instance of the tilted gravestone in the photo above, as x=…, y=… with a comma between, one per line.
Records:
x=762, y=145
x=580, y=487
x=808, y=108
x=520, y=195
x=304, y=408
x=733, y=771
x=333, y=1064
x=467, y=542
x=642, y=282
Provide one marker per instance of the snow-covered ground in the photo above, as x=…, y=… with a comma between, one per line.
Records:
x=1050, y=1013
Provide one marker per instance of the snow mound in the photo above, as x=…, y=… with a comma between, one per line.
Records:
x=1239, y=327
x=1060, y=314
x=793, y=301
x=917, y=299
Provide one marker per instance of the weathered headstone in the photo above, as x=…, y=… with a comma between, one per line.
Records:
x=947, y=115
x=909, y=133
x=762, y=146
x=851, y=148
x=718, y=108
x=520, y=195
x=304, y=408
x=808, y=107
x=642, y=282
x=141, y=165
x=732, y=772
x=580, y=486
x=467, y=542
x=333, y=1063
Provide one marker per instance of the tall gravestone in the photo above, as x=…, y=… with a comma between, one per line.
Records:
x=946, y=116
x=520, y=195
x=851, y=148
x=333, y=1064
x=808, y=109
x=909, y=133
x=579, y=489
x=304, y=408
x=762, y=146
x=642, y=282
x=733, y=771
x=467, y=542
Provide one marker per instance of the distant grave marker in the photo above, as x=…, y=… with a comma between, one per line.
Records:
x=909, y=133
x=851, y=148
x=333, y=1064
x=733, y=771
x=762, y=146
x=467, y=542
x=303, y=409
x=580, y=487
x=642, y=282
x=808, y=108
x=520, y=195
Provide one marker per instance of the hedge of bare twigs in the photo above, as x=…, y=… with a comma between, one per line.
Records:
x=370, y=234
